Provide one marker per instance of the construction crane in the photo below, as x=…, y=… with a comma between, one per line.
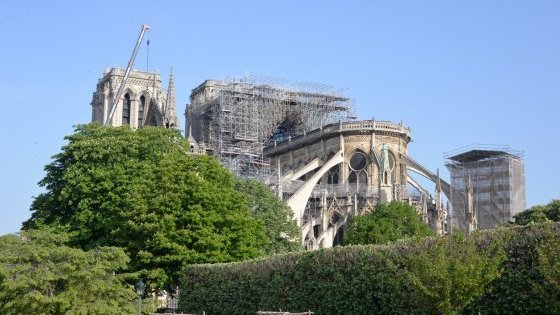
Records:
x=145, y=27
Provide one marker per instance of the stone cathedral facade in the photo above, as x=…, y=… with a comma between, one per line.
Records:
x=144, y=101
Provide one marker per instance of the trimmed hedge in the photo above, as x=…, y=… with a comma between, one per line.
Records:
x=507, y=270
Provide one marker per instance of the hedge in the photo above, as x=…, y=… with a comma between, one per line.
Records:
x=507, y=270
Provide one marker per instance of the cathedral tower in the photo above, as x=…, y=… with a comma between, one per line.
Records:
x=144, y=101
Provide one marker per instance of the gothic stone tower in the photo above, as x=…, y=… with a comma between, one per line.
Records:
x=144, y=101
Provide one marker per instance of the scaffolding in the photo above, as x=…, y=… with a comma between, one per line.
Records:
x=235, y=118
x=496, y=177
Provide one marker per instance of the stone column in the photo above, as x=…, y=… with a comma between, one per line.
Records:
x=105, y=109
x=133, y=112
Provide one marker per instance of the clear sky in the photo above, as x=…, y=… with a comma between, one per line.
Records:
x=456, y=72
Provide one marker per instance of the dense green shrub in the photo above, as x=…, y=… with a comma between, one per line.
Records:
x=508, y=270
x=323, y=281
x=530, y=276
x=451, y=272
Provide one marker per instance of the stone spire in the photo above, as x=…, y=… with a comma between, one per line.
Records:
x=170, y=111
x=385, y=167
x=385, y=187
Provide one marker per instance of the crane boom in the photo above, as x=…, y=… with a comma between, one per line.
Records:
x=145, y=27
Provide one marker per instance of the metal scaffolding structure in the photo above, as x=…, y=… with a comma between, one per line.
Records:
x=235, y=118
x=487, y=186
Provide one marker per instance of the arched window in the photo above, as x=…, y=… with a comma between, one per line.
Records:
x=358, y=161
x=126, y=110
x=141, y=108
x=333, y=175
x=352, y=178
x=362, y=177
x=358, y=165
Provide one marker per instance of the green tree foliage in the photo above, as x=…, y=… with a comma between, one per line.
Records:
x=549, y=266
x=41, y=275
x=141, y=191
x=539, y=213
x=387, y=223
x=455, y=270
x=527, y=284
x=280, y=226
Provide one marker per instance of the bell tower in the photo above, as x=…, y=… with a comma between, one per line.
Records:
x=143, y=101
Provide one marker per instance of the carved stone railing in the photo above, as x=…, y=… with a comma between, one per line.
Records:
x=341, y=127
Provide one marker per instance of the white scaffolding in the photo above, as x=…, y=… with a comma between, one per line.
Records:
x=497, y=181
x=235, y=118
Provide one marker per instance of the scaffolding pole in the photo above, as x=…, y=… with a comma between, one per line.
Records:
x=237, y=117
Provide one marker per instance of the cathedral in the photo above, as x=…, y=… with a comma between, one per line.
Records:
x=306, y=144
x=144, y=101
x=304, y=141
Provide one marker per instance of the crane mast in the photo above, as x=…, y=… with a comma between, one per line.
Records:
x=145, y=27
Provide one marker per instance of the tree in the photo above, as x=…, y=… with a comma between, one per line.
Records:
x=539, y=213
x=280, y=227
x=44, y=276
x=549, y=266
x=454, y=270
x=387, y=223
x=141, y=191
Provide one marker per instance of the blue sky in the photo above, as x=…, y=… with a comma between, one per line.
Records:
x=456, y=72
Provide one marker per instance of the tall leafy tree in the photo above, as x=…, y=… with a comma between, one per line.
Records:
x=549, y=266
x=278, y=219
x=539, y=213
x=141, y=191
x=41, y=275
x=388, y=222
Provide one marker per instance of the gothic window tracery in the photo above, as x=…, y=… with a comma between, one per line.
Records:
x=333, y=175
x=357, y=169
